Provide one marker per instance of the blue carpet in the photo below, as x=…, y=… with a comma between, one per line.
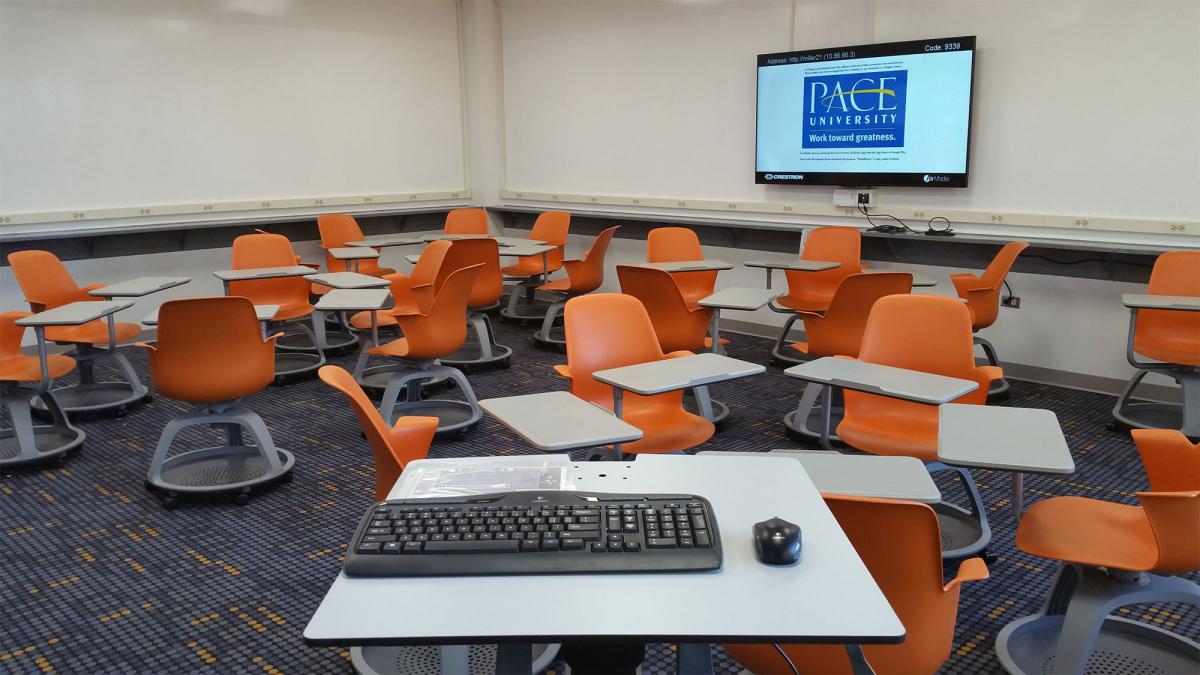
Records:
x=98, y=578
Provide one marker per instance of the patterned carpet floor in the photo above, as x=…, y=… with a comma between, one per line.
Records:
x=99, y=578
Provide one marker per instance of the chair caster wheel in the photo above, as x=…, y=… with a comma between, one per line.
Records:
x=465, y=369
x=988, y=556
x=148, y=485
x=1117, y=426
x=242, y=498
x=148, y=398
x=460, y=435
x=169, y=502
x=287, y=477
x=506, y=364
x=122, y=411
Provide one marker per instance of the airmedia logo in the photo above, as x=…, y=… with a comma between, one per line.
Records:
x=855, y=110
x=929, y=178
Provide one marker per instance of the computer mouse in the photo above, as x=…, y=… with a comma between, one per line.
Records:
x=777, y=542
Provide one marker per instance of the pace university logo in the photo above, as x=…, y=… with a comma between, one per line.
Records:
x=855, y=110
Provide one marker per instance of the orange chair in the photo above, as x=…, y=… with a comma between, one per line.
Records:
x=838, y=331
x=931, y=334
x=210, y=352
x=1114, y=555
x=900, y=544
x=583, y=276
x=677, y=325
x=466, y=221
x=428, y=336
x=982, y=294
x=485, y=295
x=678, y=244
x=813, y=291
x=1172, y=339
x=552, y=228
x=337, y=229
x=411, y=294
x=299, y=353
x=25, y=442
x=394, y=446
x=609, y=330
x=47, y=284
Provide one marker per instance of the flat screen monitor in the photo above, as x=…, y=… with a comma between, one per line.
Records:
x=897, y=113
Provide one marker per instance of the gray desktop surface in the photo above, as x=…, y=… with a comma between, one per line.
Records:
x=838, y=599
x=1008, y=439
x=872, y=378
x=75, y=313
x=684, y=372
x=555, y=421
x=136, y=288
x=739, y=297
x=348, y=280
x=1187, y=303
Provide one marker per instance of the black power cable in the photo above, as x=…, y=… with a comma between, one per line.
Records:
x=786, y=658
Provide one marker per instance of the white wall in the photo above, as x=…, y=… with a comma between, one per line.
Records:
x=1082, y=107
x=132, y=103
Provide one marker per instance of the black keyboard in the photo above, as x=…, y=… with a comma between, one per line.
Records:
x=542, y=532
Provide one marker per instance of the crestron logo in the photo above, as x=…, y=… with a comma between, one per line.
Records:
x=855, y=110
x=784, y=176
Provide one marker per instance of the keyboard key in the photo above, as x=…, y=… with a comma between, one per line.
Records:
x=572, y=544
x=378, y=538
x=660, y=542
x=630, y=527
x=550, y=544
x=392, y=547
x=702, y=539
x=529, y=545
x=412, y=548
x=685, y=542
x=580, y=527
x=599, y=547
x=632, y=547
x=484, y=546
x=379, y=530
x=369, y=547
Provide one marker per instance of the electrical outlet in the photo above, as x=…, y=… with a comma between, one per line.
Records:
x=1012, y=302
x=854, y=198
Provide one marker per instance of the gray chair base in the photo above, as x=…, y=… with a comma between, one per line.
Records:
x=453, y=416
x=293, y=365
x=999, y=388
x=698, y=402
x=27, y=443
x=529, y=310
x=237, y=466
x=1075, y=632
x=484, y=350
x=92, y=397
x=549, y=334
x=781, y=351
x=1153, y=415
x=965, y=531
x=805, y=421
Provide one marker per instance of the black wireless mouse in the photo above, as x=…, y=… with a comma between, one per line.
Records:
x=777, y=542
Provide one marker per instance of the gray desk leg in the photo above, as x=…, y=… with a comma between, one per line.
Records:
x=318, y=322
x=225, y=286
x=693, y=658
x=618, y=393
x=374, y=330
x=262, y=329
x=514, y=659
x=769, y=270
x=858, y=662
x=715, y=330
x=1018, y=495
x=545, y=267
x=826, y=415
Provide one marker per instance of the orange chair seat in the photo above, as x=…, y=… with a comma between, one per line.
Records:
x=91, y=333
x=398, y=348
x=1089, y=532
x=560, y=285
x=1181, y=349
x=362, y=320
x=666, y=429
x=804, y=303
x=902, y=428
x=290, y=310
x=28, y=369
x=528, y=267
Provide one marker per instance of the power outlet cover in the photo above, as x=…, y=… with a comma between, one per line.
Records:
x=850, y=197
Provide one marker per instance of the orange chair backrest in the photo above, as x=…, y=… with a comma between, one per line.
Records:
x=489, y=283
x=44, y=280
x=392, y=447
x=551, y=227
x=1173, y=504
x=677, y=328
x=900, y=543
x=840, y=331
x=267, y=250
x=986, y=304
x=419, y=287
x=466, y=221
x=337, y=229
x=1175, y=273
x=210, y=350
x=830, y=244
x=674, y=244
x=10, y=335
x=443, y=329
x=588, y=274
x=606, y=330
